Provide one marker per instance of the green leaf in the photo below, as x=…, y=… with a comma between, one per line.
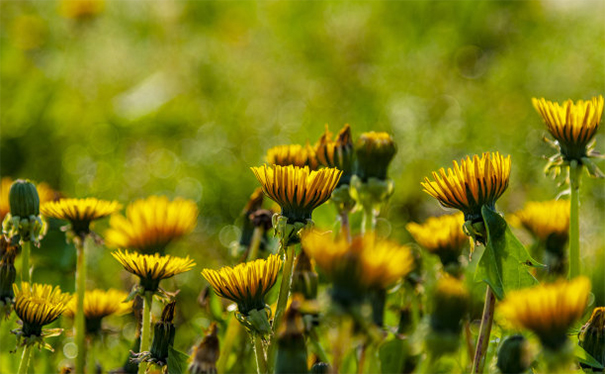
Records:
x=392, y=355
x=177, y=361
x=585, y=358
x=503, y=265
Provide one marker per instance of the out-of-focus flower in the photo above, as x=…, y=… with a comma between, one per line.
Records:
x=545, y=219
x=451, y=302
x=548, y=310
x=151, y=269
x=441, y=235
x=205, y=355
x=471, y=184
x=291, y=348
x=304, y=278
x=514, y=355
x=298, y=191
x=28, y=32
x=79, y=212
x=293, y=154
x=337, y=153
x=81, y=9
x=574, y=126
x=151, y=224
x=8, y=274
x=5, y=186
x=375, y=151
x=99, y=304
x=592, y=335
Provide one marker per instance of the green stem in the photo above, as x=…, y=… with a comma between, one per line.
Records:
x=146, y=331
x=282, y=302
x=257, y=236
x=26, y=249
x=575, y=172
x=484, y=331
x=368, y=223
x=345, y=226
x=80, y=324
x=24, y=364
x=233, y=329
x=261, y=362
x=316, y=346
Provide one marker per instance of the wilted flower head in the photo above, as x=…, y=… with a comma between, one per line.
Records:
x=548, y=310
x=151, y=224
x=441, y=235
x=297, y=190
x=151, y=269
x=375, y=151
x=337, y=153
x=471, y=184
x=293, y=154
x=205, y=355
x=79, y=212
x=574, y=126
x=99, y=304
x=246, y=284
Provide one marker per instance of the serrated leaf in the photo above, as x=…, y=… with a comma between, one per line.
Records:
x=177, y=361
x=503, y=265
x=585, y=358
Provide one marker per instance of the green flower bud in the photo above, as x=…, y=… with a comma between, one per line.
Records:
x=514, y=355
x=23, y=199
x=291, y=348
x=375, y=151
x=163, y=335
x=592, y=335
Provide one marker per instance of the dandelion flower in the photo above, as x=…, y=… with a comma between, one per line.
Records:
x=5, y=186
x=38, y=305
x=337, y=153
x=548, y=310
x=79, y=212
x=151, y=224
x=441, y=235
x=99, y=304
x=545, y=219
x=293, y=154
x=297, y=190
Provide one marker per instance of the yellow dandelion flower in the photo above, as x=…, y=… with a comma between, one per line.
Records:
x=99, y=304
x=573, y=125
x=471, y=184
x=297, y=190
x=375, y=151
x=151, y=269
x=451, y=302
x=441, y=235
x=359, y=266
x=38, y=305
x=5, y=187
x=47, y=193
x=151, y=224
x=247, y=283
x=337, y=153
x=79, y=212
x=545, y=219
x=548, y=310
x=293, y=154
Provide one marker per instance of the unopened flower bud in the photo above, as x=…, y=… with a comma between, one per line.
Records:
x=514, y=355
x=23, y=199
x=375, y=151
x=304, y=278
x=8, y=274
x=291, y=348
x=163, y=335
x=592, y=335
x=205, y=355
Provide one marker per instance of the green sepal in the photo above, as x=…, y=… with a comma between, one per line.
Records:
x=177, y=361
x=585, y=358
x=260, y=321
x=503, y=265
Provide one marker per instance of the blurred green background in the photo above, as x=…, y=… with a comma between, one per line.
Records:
x=182, y=97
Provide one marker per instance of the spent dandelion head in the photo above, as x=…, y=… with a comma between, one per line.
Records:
x=298, y=191
x=99, y=304
x=337, y=153
x=246, y=284
x=574, y=126
x=470, y=185
x=293, y=154
x=441, y=235
x=151, y=269
x=38, y=305
x=375, y=151
x=548, y=310
x=205, y=355
x=151, y=224
x=79, y=212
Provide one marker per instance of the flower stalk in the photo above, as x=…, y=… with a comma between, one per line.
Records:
x=484, y=331
x=146, y=328
x=575, y=173
x=79, y=321
x=25, y=250
x=259, y=352
x=24, y=364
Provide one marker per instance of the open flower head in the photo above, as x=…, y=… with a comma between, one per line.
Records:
x=573, y=125
x=151, y=269
x=293, y=154
x=375, y=151
x=337, y=153
x=359, y=266
x=245, y=284
x=38, y=305
x=545, y=219
x=99, y=304
x=471, y=184
x=548, y=310
x=441, y=235
x=151, y=224
x=298, y=191
x=79, y=212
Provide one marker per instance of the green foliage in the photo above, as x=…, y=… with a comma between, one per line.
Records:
x=177, y=361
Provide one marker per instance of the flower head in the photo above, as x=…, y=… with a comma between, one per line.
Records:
x=337, y=153
x=205, y=355
x=545, y=219
x=359, y=266
x=24, y=218
x=81, y=9
x=297, y=190
x=151, y=269
x=79, y=212
x=471, y=184
x=245, y=284
x=5, y=186
x=441, y=235
x=293, y=154
x=451, y=302
x=592, y=335
x=38, y=305
x=548, y=310
x=573, y=125
x=151, y=224
x=99, y=304
x=375, y=151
